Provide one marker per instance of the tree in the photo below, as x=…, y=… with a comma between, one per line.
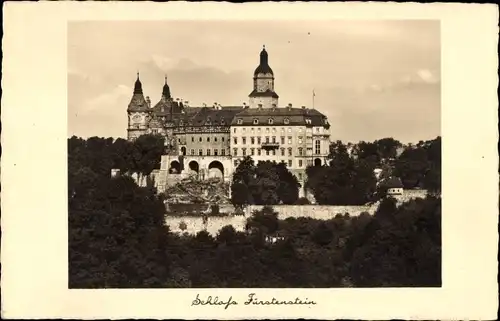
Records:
x=288, y=188
x=146, y=153
x=243, y=179
x=345, y=181
x=322, y=234
x=264, y=220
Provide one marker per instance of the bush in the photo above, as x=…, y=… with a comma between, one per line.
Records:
x=302, y=201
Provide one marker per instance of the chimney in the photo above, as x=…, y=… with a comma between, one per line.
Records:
x=148, y=101
x=245, y=105
x=303, y=107
x=204, y=105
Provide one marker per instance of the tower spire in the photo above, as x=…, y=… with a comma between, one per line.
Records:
x=138, y=85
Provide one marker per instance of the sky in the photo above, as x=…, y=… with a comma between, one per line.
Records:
x=373, y=79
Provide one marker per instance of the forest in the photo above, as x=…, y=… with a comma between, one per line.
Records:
x=118, y=239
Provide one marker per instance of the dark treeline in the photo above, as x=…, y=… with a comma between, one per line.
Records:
x=117, y=236
x=349, y=179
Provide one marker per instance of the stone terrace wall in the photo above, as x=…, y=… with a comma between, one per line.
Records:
x=319, y=212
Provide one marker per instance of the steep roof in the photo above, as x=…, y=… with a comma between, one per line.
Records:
x=204, y=116
x=392, y=182
x=279, y=116
x=267, y=93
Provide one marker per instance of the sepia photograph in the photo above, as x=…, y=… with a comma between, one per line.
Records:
x=241, y=161
x=254, y=154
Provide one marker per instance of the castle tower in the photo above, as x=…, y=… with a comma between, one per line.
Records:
x=263, y=94
x=138, y=112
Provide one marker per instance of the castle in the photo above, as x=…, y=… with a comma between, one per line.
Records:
x=205, y=142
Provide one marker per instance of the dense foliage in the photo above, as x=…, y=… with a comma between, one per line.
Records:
x=264, y=183
x=117, y=236
x=349, y=178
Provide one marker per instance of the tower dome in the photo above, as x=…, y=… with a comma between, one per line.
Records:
x=263, y=67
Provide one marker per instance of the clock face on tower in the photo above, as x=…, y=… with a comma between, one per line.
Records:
x=136, y=118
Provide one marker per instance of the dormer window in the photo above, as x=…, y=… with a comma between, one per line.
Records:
x=270, y=121
x=222, y=121
x=287, y=121
x=255, y=121
x=308, y=121
x=181, y=123
x=326, y=121
x=240, y=121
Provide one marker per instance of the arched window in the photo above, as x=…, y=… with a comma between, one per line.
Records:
x=287, y=121
x=301, y=150
x=270, y=121
x=255, y=121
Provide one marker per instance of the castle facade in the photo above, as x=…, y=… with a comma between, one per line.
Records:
x=204, y=142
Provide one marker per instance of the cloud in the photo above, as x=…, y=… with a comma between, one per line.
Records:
x=104, y=103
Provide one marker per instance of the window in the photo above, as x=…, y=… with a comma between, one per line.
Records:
x=286, y=121
x=270, y=121
x=235, y=163
x=252, y=140
x=179, y=140
x=300, y=162
x=244, y=129
x=258, y=151
x=282, y=140
x=274, y=152
x=309, y=162
x=267, y=152
x=223, y=152
x=317, y=129
x=289, y=129
x=289, y=139
x=317, y=147
x=301, y=151
x=208, y=151
x=244, y=140
x=258, y=140
x=289, y=151
x=222, y=138
x=274, y=129
x=267, y=139
x=222, y=122
x=234, y=130
x=282, y=151
x=200, y=139
x=244, y=150
x=258, y=129
x=192, y=139
x=252, y=130
x=252, y=151
x=154, y=131
x=308, y=121
x=236, y=140
x=235, y=151
x=300, y=129
x=282, y=129
x=300, y=139
x=240, y=121
x=274, y=139
x=200, y=152
x=215, y=139
x=208, y=139
x=192, y=151
x=289, y=163
x=267, y=130
x=255, y=121
x=216, y=152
